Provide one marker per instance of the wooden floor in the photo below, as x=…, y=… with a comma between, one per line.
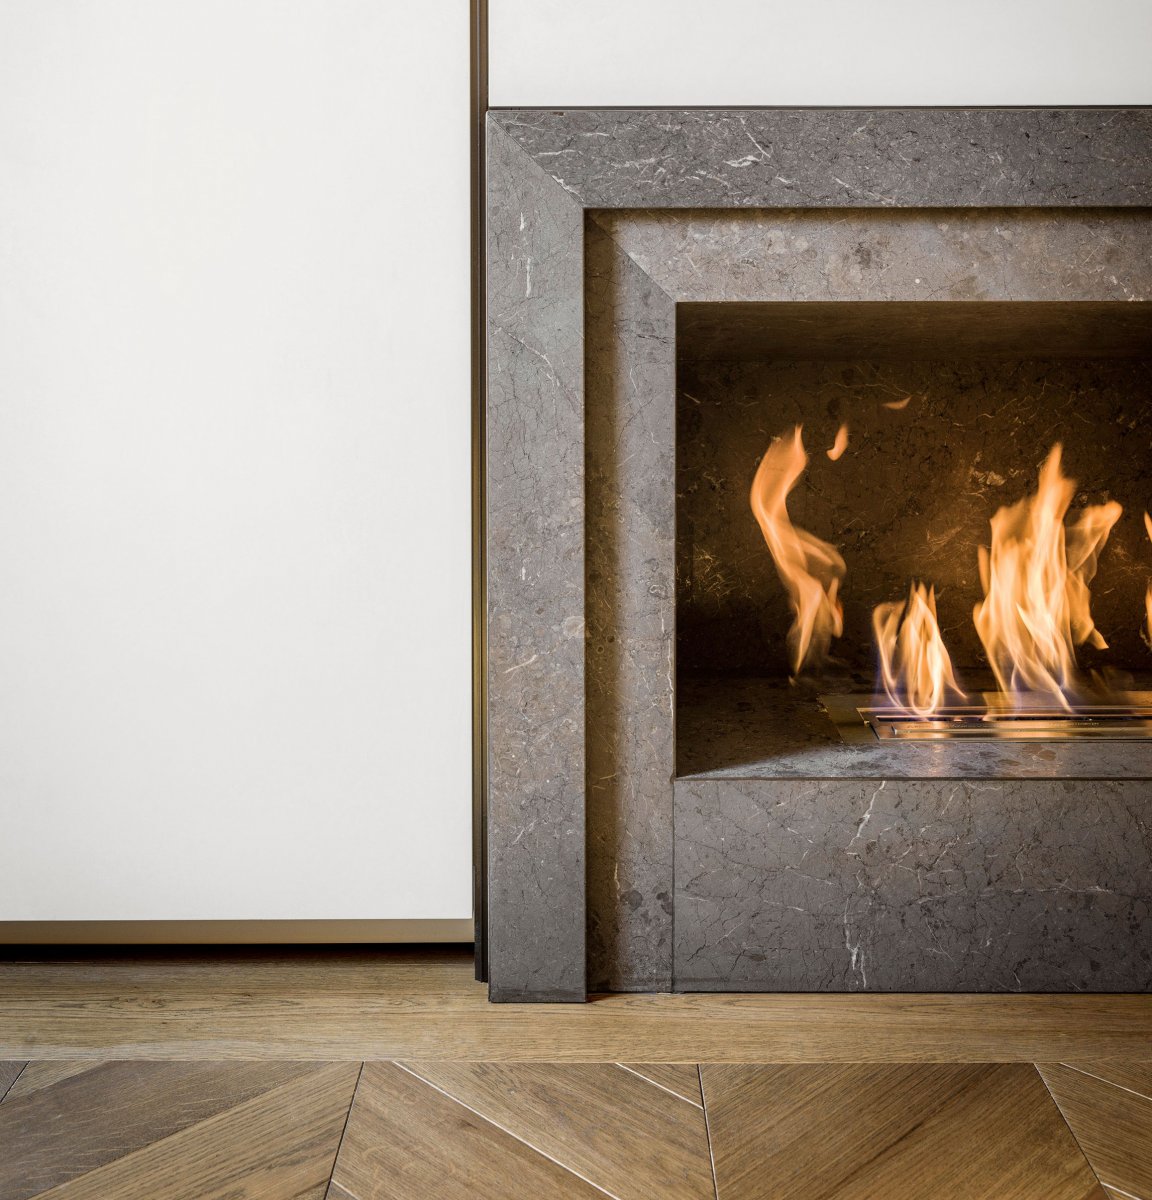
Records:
x=350, y=1005
x=354, y=1075
x=278, y=1129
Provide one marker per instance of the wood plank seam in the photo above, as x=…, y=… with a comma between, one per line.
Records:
x=503, y=1129
x=1068, y=1124
x=708, y=1132
x=1119, y=1191
x=660, y=1085
x=1108, y=1082
x=344, y=1127
x=14, y=1082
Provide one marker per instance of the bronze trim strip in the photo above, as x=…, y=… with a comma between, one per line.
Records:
x=218, y=933
x=479, y=109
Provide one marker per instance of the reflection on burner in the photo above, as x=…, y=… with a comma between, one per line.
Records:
x=868, y=718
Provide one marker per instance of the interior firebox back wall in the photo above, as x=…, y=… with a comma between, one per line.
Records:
x=912, y=496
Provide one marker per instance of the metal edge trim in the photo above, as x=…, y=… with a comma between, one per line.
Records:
x=216, y=933
x=477, y=115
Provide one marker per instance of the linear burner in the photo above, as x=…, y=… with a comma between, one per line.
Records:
x=871, y=718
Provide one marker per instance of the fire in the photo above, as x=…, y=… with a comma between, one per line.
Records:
x=840, y=444
x=810, y=569
x=1148, y=598
x=1036, y=577
x=914, y=662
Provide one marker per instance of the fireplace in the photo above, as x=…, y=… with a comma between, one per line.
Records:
x=752, y=414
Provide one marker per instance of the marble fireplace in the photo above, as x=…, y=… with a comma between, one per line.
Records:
x=668, y=292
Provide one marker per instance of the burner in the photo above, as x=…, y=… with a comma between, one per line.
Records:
x=871, y=718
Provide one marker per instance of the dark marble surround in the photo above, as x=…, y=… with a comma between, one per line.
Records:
x=606, y=871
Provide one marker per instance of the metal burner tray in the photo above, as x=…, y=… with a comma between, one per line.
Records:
x=869, y=719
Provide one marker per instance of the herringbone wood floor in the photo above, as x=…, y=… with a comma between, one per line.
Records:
x=113, y=1097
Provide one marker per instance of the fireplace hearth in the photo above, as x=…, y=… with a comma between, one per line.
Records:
x=699, y=778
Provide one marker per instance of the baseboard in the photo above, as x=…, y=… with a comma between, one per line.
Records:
x=220, y=933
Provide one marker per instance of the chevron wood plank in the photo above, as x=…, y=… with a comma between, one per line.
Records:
x=900, y=1131
x=681, y=1078
x=615, y=1130
x=1112, y=1124
x=279, y=1145
x=1134, y=1076
x=407, y=1139
x=39, y=1075
x=62, y=1126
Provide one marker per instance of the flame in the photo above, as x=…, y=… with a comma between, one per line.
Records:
x=914, y=662
x=1148, y=597
x=810, y=569
x=898, y=405
x=1036, y=576
x=840, y=444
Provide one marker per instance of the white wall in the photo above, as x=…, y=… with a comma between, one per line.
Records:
x=548, y=53
x=234, y=433
x=234, y=459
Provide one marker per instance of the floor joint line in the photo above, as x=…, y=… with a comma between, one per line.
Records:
x=639, y=1075
x=503, y=1129
x=708, y=1133
x=344, y=1129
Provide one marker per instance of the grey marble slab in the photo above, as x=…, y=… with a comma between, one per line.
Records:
x=535, y=529
x=899, y=255
x=631, y=606
x=929, y=886
x=841, y=158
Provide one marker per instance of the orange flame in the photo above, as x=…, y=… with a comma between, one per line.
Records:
x=914, y=662
x=810, y=569
x=1036, y=578
x=840, y=444
x=1148, y=597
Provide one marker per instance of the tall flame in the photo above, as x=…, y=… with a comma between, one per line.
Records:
x=1148, y=597
x=914, y=662
x=810, y=569
x=1036, y=576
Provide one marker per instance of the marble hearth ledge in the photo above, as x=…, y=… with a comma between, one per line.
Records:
x=583, y=276
x=747, y=728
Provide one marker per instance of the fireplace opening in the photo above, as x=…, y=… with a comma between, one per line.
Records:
x=911, y=538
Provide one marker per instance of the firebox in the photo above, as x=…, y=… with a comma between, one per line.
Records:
x=911, y=522
x=818, y=567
